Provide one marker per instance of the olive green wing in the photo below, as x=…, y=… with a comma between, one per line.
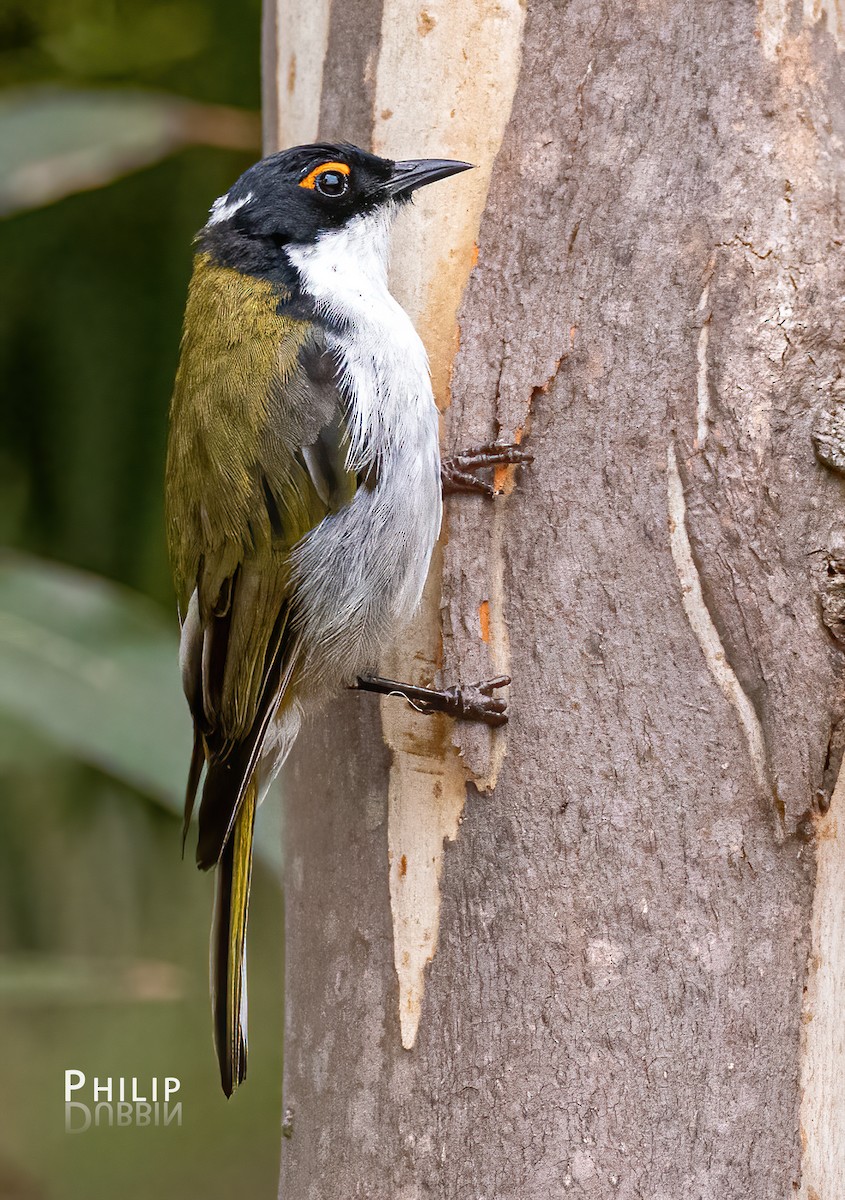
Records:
x=256, y=459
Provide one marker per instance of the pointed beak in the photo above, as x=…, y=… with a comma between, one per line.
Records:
x=417, y=172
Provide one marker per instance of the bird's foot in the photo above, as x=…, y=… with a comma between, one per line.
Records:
x=470, y=702
x=457, y=474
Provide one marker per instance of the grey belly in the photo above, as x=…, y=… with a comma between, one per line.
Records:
x=358, y=578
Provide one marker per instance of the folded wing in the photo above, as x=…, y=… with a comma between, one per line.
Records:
x=256, y=459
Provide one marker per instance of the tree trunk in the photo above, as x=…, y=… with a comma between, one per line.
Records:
x=600, y=952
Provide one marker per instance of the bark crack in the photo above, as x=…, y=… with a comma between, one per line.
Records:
x=703, y=375
x=497, y=640
x=704, y=628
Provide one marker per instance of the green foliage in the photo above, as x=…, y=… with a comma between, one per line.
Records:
x=91, y=300
x=103, y=929
x=205, y=49
x=92, y=668
x=92, y=289
x=57, y=141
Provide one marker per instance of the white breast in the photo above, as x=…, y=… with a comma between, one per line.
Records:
x=361, y=572
x=384, y=366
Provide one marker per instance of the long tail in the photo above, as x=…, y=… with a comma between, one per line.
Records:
x=228, y=946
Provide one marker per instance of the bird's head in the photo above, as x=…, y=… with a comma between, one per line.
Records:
x=297, y=196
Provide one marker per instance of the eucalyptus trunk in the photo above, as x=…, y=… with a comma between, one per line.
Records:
x=599, y=952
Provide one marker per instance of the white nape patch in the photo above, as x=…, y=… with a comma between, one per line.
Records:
x=223, y=208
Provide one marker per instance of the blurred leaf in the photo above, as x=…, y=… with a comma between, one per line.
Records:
x=93, y=667
x=58, y=141
x=108, y=40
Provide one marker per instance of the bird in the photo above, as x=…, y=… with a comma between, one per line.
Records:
x=303, y=488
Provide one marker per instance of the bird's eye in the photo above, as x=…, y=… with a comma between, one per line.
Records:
x=331, y=183
x=329, y=179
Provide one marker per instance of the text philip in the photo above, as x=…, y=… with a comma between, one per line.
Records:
x=120, y=1101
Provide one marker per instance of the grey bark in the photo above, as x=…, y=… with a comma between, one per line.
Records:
x=615, y=1006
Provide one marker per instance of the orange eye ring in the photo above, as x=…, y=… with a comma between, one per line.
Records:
x=310, y=180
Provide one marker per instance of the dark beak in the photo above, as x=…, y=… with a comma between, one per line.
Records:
x=417, y=172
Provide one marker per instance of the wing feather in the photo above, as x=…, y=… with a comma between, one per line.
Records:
x=256, y=458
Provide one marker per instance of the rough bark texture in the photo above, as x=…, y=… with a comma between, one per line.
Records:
x=615, y=1006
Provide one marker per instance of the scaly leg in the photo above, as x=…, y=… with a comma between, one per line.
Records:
x=457, y=473
x=474, y=702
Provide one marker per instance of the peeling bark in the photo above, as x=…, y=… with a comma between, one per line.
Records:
x=610, y=933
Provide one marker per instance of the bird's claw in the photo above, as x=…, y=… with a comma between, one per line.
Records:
x=473, y=702
x=457, y=473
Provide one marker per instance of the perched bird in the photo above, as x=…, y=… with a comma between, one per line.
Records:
x=303, y=493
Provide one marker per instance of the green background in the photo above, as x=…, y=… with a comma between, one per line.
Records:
x=103, y=927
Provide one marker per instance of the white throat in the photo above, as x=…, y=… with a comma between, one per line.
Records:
x=383, y=363
x=346, y=268
x=362, y=570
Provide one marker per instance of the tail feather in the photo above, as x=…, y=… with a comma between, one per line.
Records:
x=228, y=946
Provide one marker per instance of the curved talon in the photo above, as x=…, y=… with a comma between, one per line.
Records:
x=455, y=480
x=490, y=684
x=495, y=454
x=457, y=472
x=474, y=702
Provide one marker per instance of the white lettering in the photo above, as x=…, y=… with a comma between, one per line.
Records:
x=76, y=1105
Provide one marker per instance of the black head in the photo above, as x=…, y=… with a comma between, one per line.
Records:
x=294, y=196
